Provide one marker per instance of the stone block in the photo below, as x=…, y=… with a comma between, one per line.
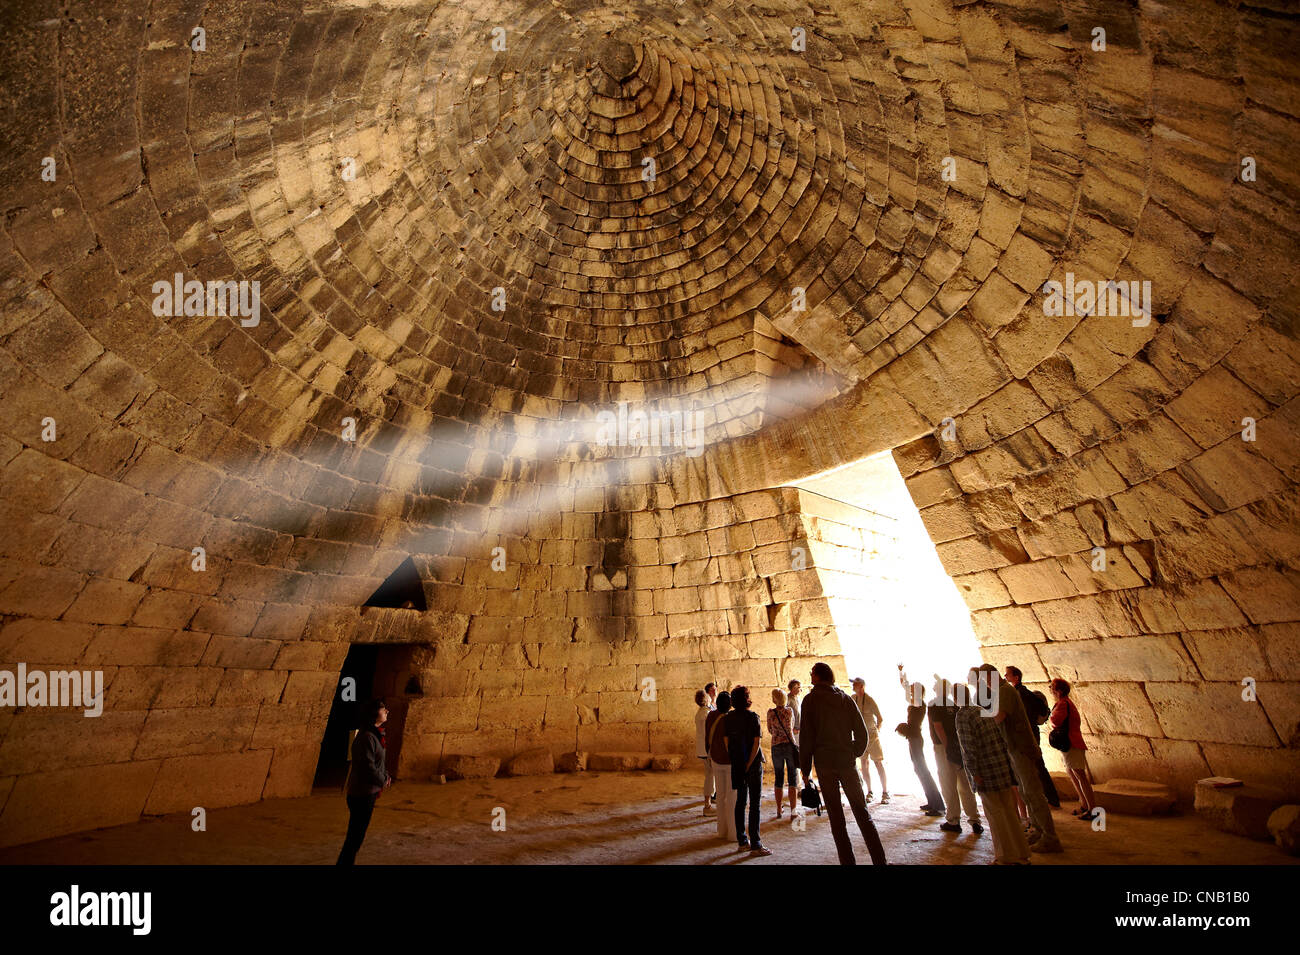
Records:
x=40, y=642
x=45, y=805
x=1125, y=659
x=667, y=763
x=42, y=739
x=1135, y=797
x=575, y=762
x=618, y=762
x=221, y=779
x=1210, y=712
x=1064, y=787
x=293, y=768
x=461, y=766
x=1244, y=810
x=533, y=762
x=1284, y=826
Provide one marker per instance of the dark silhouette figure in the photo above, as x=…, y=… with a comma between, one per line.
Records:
x=833, y=736
x=743, y=746
x=367, y=778
x=914, y=733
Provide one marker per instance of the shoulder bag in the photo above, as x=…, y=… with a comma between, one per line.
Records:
x=1059, y=738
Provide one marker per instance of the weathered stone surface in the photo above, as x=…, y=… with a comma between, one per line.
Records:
x=1244, y=810
x=618, y=762
x=667, y=763
x=534, y=762
x=1064, y=788
x=1135, y=797
x=219, y=779
x=470, y=767
x=575, y=762
x=812, y=307
x=1284, y=826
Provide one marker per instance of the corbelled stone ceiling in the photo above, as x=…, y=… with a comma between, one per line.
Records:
x=818, y=231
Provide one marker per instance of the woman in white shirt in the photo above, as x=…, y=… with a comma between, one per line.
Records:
x=703, y=708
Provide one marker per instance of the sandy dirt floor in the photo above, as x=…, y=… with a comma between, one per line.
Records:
x=598, y=819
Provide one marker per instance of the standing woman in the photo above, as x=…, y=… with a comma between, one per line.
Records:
x=703, y=707
x=780, y=726
x=1065, y=715
x=715, y=736
x=795, y=688
x=914, y=733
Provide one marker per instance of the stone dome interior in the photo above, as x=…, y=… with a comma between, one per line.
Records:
x=823, y=230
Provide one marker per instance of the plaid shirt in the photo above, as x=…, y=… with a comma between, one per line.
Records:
x=983, y=751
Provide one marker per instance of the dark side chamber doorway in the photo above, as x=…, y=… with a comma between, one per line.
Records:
x=379, y=670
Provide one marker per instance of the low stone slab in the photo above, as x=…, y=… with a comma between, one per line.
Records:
x=1244, y=810
x=1135, y=797
x=532, y=762
x=572, y=762
x=470, y=767
x=1284, y=824
x=667, y=763
x=1064, y=787
x=618, y=762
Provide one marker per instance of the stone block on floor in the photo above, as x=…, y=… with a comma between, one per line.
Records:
x=470, y=767
x=1284, y=826
x=1244, y=810
x=618, y=762
x=1064, y=788
x=532, y=762
x=572, y=762
x=1135, y=797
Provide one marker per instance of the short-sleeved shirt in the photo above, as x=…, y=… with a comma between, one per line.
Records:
x=743, y=730
x=1076, y=721
x=946, y=716
x=780, y=725
x=870, y=713
x=794, y=705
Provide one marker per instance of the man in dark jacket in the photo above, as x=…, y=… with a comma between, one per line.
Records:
x=832, y=735
x=367, y=778
x=1037, y=710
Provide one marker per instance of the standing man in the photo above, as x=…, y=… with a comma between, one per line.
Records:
x=875, y=752
x=1038, y=711
x=367, y=778
x=1022, y=748
x=833, y=735
x=711, y=690
x=957, y=794
x=984, y=754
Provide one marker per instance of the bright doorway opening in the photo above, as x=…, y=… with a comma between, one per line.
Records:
x=890, y=598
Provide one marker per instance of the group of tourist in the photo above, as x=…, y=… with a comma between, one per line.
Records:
x=984, y=735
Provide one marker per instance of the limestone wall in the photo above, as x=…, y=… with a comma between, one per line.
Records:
x=381, y=169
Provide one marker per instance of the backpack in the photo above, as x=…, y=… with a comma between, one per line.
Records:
x=1042, y=711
